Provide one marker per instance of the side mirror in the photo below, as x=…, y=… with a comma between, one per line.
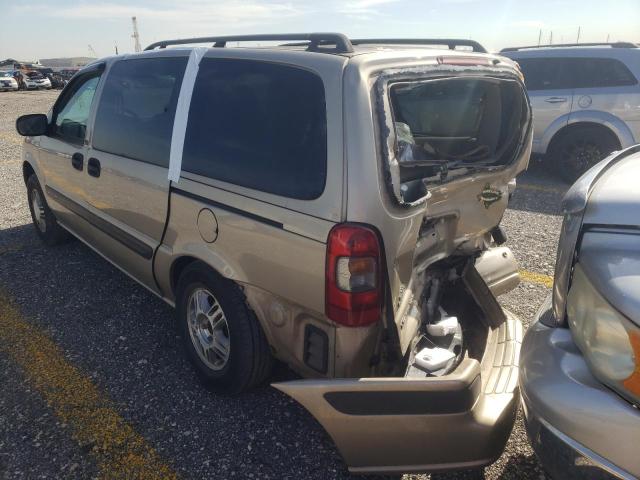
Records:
x=32, y=125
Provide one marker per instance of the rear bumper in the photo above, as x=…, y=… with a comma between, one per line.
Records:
x=578, y=427
x=408, y=425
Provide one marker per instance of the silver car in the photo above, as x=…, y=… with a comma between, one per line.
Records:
x=585, y=100
x=7, y=82
x=36, y=81
x=580, y=360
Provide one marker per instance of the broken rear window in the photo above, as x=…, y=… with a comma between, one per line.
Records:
x=449, y=127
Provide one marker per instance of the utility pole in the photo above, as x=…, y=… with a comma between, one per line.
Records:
x=578, y=39
x=92, y=51
x=136, y=36
x=551, y=37
x=608, y=35
x=116, y=45
x=540, y=37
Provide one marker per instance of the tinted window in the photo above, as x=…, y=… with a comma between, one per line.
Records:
x=137, y=108
x=545, y=73
x=258, y=125
x=72, y=113
x=600, y=72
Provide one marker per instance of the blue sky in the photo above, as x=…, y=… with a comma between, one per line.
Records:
x=41, y=29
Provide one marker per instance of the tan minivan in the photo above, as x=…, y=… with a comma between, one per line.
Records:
x=328, y=202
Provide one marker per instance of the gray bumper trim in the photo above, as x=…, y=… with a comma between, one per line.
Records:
x=579, y=428
x=564, y=458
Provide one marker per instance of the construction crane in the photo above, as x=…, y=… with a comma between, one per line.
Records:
x=136, y=35
x=92, y=51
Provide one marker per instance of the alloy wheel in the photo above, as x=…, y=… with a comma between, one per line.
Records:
x=208, y=329
x=37, y=205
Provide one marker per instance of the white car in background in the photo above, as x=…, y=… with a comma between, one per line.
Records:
x=36, y=81
x=7, y=82
x=585, y=100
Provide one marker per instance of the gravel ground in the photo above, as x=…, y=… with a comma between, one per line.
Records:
x=124, y=339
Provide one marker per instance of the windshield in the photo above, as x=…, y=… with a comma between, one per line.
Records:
x=456, y=122
x=5, y=74
x=34, y=75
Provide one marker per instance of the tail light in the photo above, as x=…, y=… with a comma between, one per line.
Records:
x=353, y=276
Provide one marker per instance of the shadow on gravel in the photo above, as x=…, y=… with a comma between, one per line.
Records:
x=538, y=190
x=516, y=465
x=125, y=340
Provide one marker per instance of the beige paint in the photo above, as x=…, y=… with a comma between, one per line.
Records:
x=282, y=270
x=425, y=443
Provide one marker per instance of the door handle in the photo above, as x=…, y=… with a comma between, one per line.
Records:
x=93, y=167
x=556, y=99
x=77, y=161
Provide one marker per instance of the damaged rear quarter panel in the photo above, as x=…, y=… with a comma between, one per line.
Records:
x=454, y=218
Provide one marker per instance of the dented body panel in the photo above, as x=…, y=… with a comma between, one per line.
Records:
x=403, y=425
x=453, y=218
x=439, y=267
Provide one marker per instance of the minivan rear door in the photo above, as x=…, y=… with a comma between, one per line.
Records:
x=126, y=182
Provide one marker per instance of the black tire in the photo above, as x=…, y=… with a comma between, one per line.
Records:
x=249, y=360
x=44, y=221
x=580, y=149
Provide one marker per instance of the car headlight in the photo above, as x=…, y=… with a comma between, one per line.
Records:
x=607, y=339
x=574, y=204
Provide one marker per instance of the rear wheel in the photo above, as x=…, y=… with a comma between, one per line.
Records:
x=47, y=227
x=580, y=149
x=222, y=337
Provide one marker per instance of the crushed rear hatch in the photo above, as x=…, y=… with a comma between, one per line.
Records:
x=453, y=135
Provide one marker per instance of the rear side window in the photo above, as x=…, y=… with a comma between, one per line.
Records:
x=600, y=72
x=258, y=125
x=137, y=108
x=545, y=73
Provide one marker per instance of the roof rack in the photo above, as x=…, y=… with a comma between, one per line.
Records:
x=451, y=43
x=341, y=42
x=560, y=45
x=313, y=41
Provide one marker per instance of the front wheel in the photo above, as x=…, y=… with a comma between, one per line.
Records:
x=222, y=337
x=47, y=227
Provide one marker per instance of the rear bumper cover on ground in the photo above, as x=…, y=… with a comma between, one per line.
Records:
x=578, y=427
x=402, y=425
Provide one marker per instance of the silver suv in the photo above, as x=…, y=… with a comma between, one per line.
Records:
x=585, y=100
x=332, y=203
x=580, y=362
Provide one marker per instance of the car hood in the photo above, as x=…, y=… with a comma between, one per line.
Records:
x=615, y=198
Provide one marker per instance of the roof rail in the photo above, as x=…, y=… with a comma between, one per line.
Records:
x=560, y=45
x=341, y=42
x=451, y=43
